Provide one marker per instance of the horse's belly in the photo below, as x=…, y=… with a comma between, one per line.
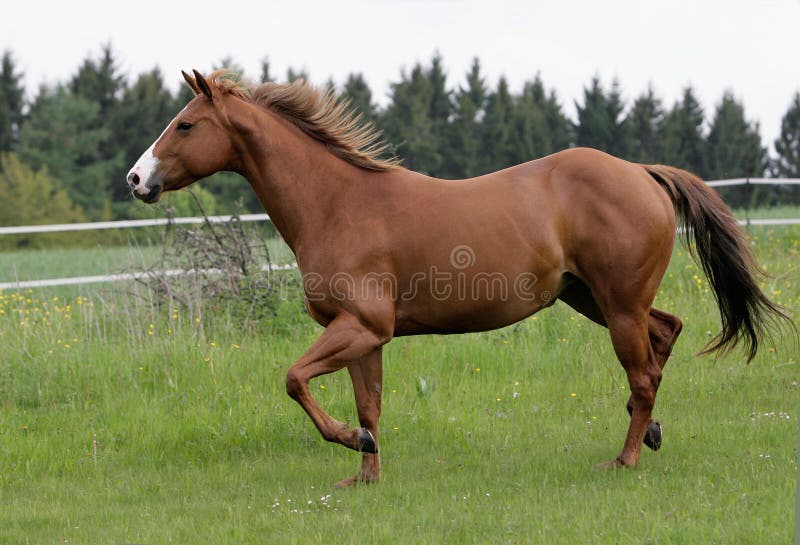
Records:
x=464, y=315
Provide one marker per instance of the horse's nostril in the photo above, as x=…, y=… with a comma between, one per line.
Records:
x=135, y=179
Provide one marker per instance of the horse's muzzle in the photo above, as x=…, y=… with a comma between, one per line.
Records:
x=148, y=190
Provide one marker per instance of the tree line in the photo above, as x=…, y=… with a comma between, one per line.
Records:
x=64, y=153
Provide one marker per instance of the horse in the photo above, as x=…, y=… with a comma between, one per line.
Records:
x=385, y=252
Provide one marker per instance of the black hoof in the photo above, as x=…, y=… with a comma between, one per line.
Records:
x=652, y=438
x=366, y=441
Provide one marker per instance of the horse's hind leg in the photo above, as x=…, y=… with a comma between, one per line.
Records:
x=631, y=340
x=663, y=329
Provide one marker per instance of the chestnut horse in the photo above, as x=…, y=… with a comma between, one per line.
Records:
x=384, y=251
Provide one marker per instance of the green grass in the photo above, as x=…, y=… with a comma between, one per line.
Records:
x=36, y=264
x=773, y=212
x=70, y=262
x=111, y=435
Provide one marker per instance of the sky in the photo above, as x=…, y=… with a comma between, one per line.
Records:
x=749, y=48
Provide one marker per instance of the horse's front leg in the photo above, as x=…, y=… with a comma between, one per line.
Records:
x=345, y=340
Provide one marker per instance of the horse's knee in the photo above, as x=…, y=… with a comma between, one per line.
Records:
x=294, y=384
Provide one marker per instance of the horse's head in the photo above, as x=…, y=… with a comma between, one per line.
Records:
x=194, y=145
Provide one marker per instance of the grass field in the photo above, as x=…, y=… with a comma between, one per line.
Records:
x=773, y=212
x=36, y=264
x=122, y=423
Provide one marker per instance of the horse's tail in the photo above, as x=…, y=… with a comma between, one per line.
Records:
x=721, y=250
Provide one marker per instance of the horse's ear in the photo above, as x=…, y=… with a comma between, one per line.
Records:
x=191, y=82
x=203, y=85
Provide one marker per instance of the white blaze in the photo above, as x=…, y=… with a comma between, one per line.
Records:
x=146, y=166
x=144, y=169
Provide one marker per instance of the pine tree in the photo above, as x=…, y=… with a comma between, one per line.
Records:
x=99, y=81
x=463, y=145
x=733, y=146
x=357, y=92
x=292, y=74
x=601, y=124
x=12, y=101
x=497, y=148
x=540, y=126
x=440, y=108
x=266, y=74
x=476, y=86
x=559, y=125
x=531, y=134
x=645, y=120
x=681, y=140
x=621, y=143
x=407, y=123
x=787, y=145
x=734, y=150
x=462, y=155
x=787, y=150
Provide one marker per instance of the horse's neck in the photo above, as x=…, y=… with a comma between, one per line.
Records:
x=300, y=184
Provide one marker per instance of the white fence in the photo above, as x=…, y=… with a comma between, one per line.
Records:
x=754, y=181
x=122, y=224
x=128, y=224
x=118, y=277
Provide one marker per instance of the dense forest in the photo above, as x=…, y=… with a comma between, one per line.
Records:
x=64, y=153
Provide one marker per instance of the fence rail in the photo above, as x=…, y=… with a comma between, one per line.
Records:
x=120, y=277
x=122, y=224
x=755, y=181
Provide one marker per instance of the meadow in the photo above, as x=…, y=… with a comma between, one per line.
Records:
x=126, y=422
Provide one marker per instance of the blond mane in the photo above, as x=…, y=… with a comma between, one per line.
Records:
x=319, y=113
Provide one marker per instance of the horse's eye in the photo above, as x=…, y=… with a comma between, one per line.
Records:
x=184, y=126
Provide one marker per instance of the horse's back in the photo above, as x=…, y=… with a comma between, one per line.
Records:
x=582, y=193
